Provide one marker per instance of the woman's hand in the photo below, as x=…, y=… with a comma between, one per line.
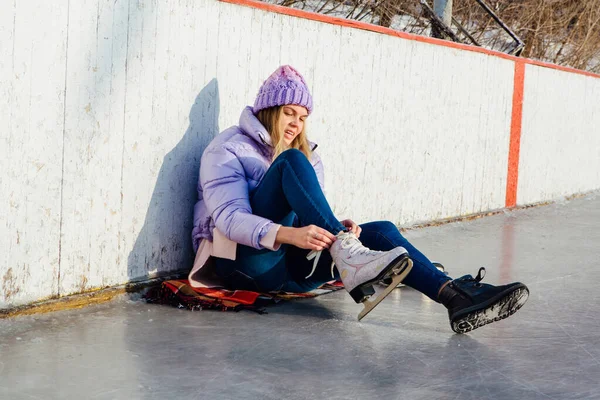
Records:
x=309, y=237
x=348, y=223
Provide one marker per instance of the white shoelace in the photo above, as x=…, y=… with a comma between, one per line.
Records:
x=349, y=240
x=316, y=254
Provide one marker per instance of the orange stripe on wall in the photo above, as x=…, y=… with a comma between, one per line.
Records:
x=363, y=26
x=515, y=136
x=391, y=32
x=519, y=76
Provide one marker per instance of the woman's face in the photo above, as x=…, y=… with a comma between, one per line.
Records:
x=291, y=122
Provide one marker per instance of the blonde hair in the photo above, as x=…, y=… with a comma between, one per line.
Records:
x=269, y=118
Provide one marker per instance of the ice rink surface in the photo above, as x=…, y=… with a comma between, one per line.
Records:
x=315, y=348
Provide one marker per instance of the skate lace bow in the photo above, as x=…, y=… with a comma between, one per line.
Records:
x=349, y=241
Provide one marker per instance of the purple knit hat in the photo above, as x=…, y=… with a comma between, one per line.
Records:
x=284, y=86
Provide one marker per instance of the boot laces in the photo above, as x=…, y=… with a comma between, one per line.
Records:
x=478, y=278
x=480, y=274
x=349, y=241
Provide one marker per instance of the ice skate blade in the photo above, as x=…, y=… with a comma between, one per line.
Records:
x=502, y=309
x=403, y=271
x=388, y=281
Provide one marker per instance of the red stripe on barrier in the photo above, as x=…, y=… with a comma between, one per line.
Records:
x=515, y=136
x=519, y=76
x=559, y=67
x=391, y=32
x=364, y=26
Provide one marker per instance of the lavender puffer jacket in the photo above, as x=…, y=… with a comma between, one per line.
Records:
x=231, y=167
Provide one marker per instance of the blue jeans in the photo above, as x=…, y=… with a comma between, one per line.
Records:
x=290, y=195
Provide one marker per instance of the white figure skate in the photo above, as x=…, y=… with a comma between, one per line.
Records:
x=360, y=268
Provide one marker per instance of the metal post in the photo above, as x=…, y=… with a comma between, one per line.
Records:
x=443, y=10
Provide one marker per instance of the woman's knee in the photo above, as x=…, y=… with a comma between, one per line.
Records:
x=385, y=229
x=292, y=154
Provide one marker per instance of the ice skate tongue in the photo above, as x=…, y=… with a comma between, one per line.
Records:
x=351, y=242
x=348, y=241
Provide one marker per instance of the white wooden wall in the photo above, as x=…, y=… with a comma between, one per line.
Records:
x=33, y=54
x=560, y=140
x=107, y=105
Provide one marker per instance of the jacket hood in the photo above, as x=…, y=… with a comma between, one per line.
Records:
x=252, y=127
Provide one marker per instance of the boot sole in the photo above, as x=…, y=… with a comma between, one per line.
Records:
x=508, y=304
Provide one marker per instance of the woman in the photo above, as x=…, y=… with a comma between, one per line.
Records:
x=262, y=221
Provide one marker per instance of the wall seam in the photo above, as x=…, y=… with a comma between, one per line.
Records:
x=62, y=177
x=123, y=130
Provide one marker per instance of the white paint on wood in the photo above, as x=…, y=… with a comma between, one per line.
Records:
x=407, y=131
x=425, y=145
x=93, y=146
x=32, y=81
x=560, y=139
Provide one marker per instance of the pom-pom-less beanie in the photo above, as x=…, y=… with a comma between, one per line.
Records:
x=284, y=86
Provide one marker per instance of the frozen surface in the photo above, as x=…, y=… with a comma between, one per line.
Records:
x=315, y=348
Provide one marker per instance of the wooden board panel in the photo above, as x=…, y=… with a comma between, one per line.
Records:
x=560, y=135
x=93, y=144
x=31, y=121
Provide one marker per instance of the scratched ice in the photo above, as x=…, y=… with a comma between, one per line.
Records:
x=315, y=348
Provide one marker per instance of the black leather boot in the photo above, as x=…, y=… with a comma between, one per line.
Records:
x=472, y=304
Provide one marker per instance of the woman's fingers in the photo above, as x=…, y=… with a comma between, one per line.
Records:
x=354, y=228
x=330, y=236
x=320, y=239
x=318, y=244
